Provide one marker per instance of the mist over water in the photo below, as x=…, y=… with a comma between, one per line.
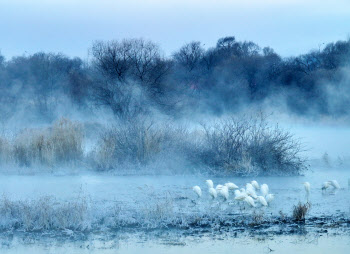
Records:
x=113, y=153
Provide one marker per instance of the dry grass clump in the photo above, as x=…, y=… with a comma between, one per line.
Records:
x=137, y=142
x=45, y=213
x=257, y=218
x=300, y=211
x=58, y=144
x=5, y=151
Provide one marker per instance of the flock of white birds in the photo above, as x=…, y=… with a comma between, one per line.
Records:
x=253, y=194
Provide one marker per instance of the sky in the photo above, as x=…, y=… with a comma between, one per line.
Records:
x=290, y=27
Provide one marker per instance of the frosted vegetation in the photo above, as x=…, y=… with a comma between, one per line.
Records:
x=245, y=146
x=107, y=204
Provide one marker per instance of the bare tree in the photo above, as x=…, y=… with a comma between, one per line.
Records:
x=148, y=65
x=190, y=55
x=128, y=69
x=112, y=58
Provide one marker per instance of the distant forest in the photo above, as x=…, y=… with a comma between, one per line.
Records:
x=133, y=77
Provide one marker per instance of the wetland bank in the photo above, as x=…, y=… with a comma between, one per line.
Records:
x=218, y=146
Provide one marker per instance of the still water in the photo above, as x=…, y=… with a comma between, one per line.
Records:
x=135, y=194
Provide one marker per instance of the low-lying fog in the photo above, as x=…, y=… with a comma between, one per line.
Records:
x=113, y=154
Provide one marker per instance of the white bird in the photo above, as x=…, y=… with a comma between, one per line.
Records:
x=249, y=201
x=224, y=192
x=335, y=184
x=231, y=186
x=210, y=183
x=264, y=189
x=239, y=195
x=326, y=185
x=252, y=193
x=219, y=187
x=197, y=190
x=307, y=187
x=255, y=184
x=262, y=200
x=270, y=198
x=213, y=193
x=249, y=186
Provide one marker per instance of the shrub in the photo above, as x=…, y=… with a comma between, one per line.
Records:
x=246, y=146
x=250, y=146
x=300, y=211
x=137, y=142
x=143, y=143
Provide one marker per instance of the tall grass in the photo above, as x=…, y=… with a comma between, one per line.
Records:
x=59, y=144
x=138, y=143
x=131, y=142
x=5, y=151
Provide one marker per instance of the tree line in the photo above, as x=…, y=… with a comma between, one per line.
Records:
x=133, y=76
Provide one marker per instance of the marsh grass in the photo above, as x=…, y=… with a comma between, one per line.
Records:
x=136, y=142
x=300, y=211
x=51, y=146
x=139, y=143
x=5, y=151
x=257, y=218
x=45, y=213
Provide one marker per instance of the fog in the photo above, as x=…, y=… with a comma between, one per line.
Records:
x=124, y=127
x=130, y=108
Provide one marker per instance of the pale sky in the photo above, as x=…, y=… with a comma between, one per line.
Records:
x=70, y=26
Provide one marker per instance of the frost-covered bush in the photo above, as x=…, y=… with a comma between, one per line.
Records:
x=45, y=213
x=247, y=146
x=138, y=142
x=134, y=141
x=250, y=146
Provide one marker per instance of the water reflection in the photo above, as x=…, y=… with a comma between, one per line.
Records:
x=168, y=243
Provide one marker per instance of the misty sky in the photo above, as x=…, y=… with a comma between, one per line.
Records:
x=70, y=26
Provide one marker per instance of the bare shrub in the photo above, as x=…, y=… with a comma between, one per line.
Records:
x=133, y=141
x=250, y=146
x=143, y=143
x=300, y=211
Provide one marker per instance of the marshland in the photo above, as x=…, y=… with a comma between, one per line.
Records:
x=213, y=144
